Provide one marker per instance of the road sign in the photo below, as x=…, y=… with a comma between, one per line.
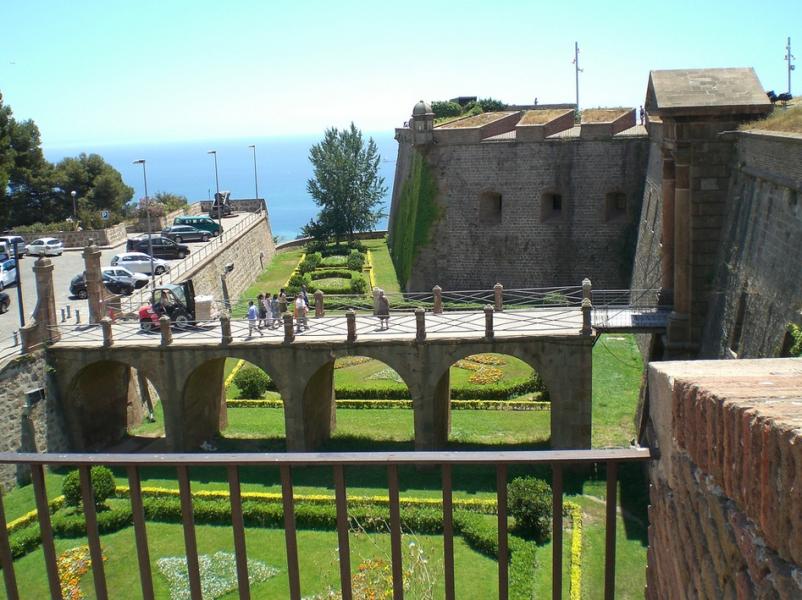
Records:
x=104, y=214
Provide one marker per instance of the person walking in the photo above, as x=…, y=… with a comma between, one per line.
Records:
x=265, y=308
x=282, y=301
x=383, y=311
x=275, y=312
x=300, y=313
x=253, y=316
x=260, y=309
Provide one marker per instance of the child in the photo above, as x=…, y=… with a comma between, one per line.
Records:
x=260, y=308
x=252, y=316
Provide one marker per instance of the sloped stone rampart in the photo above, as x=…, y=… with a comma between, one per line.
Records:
x=726, y=488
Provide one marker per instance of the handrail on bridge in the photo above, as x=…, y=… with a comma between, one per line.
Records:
x=557, y=460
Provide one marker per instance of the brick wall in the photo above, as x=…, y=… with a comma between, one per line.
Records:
x=525, y=250
x=759, y=270
x=725, y=519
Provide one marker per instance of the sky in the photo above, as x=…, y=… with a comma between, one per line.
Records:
x=112, y=72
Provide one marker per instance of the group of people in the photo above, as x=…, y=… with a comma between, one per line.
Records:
x=265, y=312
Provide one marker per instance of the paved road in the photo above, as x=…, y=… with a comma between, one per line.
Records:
x=66, y=266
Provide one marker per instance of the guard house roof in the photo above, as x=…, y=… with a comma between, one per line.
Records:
x=680, y=92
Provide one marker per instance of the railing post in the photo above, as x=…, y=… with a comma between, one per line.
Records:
x=498, y=297
x=225, y=329
x=289, y=333
x=420, y=324
x=105, y=324
x=319, y=310
x=167, y=333
x=437, y=293
x=488, y=321
x=587, y=326
x=77, y=316
x=63, y=315
x=587, y=289
x=350, y=321
x=69, y=311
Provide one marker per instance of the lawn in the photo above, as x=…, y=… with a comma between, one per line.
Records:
x=270, y=281
x=475, y=573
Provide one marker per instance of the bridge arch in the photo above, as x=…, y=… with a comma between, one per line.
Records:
x=106, y=397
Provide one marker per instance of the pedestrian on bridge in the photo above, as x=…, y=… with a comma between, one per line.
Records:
x=275, y=311
x=300, y=314
x=253, y=316
x=383, y=311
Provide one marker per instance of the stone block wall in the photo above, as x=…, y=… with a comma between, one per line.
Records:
x=529, y=246
x=251, y=252
x=759, y=275
x=27, y=428
x=111, y=236
x=725, y=519
x=242, y=205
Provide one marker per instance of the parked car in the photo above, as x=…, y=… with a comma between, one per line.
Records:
x=201, y=222
x=114, y=285
x=45, y=247
x=138, y=262
x=5, y=302
x=162, y=247
x=8, y=241
x=138, y=280
x=8, y=273
x=185, y=233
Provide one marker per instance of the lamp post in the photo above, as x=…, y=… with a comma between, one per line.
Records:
x=73, y=193
x=217, y=198
x=255, y=178
x=141, y=161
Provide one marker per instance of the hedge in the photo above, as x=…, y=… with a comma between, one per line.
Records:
x=326, y=273
x=514, y=405
x=495, y=392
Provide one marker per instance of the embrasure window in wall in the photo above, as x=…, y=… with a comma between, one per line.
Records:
x=551, y=206
x=490, y=208
x=615, y=205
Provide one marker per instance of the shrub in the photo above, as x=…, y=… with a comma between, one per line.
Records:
x=491, y=104
x=337, y=260
x=295, y=282
x=103, y=486
x=327, y=273
x=357, y=245
x=46, y=227
x=358, y=285
x=356, y=260
x=310, y=262
x=529, y=501
x=446, y=109
x=252, y=382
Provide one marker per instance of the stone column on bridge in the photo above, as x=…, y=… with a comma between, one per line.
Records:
x=94, y=282
x=43, y=328
x=197, y=412
x=567, y=370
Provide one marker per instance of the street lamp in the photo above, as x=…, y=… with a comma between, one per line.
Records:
x=141, y=161
x=255, y=179
x=73, y=193
x=217, y=197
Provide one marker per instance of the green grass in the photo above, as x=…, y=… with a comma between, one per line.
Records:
x=476, y=574
x=788, y=120
x=383, y=268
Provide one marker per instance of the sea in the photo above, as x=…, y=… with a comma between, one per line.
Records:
x=186, y=168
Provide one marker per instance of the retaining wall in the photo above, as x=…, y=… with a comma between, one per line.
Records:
x=726, y=508
x=111, y=236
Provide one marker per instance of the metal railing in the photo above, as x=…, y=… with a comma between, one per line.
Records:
x=557, y=460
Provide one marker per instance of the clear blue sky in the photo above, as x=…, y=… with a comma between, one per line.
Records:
x=117, y=72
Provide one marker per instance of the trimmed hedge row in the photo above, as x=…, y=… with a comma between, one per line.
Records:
x=495, y=392
x=326, y=273
x=515, y=405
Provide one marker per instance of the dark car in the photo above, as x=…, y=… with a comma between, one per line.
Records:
x=113, y=284
x=185, y=233
x=5, y=302
x=162, y=247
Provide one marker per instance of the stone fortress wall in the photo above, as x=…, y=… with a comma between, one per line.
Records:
x=523, y=208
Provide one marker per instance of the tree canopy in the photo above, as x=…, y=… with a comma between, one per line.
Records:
x=346, y=184
x=32, y=190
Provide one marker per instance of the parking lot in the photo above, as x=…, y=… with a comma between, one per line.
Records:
x=67, y=266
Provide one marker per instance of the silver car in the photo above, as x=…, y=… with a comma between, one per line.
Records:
x=138, y=262
x=8, y=273
x=45, y=247
x=137, y=280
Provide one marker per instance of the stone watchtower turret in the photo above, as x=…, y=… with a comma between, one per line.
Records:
x=422, y=123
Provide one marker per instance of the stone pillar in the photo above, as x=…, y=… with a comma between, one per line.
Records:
x=570, y=384
x=420, y=324
x=319, y=418
x=437, y=294
x=587, y=290
x=350, y=322
x=587, y=313
x=432, y=415
x=105, y=324
x=498, y=297
x=43, y=328
x=225, y=330
x=319, y=308
x=488, y=321
x=289, y=332
x=94, y=282
x=167, y=333
x=667, y=237
x=679, y=321
x=203, y=408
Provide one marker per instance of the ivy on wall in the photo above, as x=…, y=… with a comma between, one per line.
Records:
x=416, y=213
